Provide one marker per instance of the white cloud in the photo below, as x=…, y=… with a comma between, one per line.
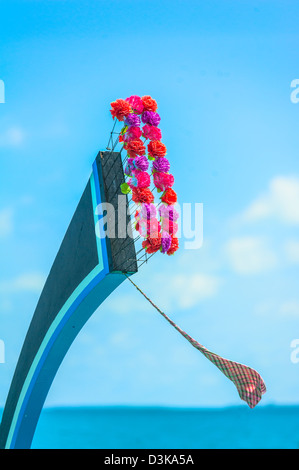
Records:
x=185, y=283
x=28, y=282
x=187, y=290
x=12, y=137
x=291, y=307
x=266, y=307
x=169, y=291
x=6, y=222
x=174, y=283
x=292, y=250
x=280, y=201
x=250, y=255
x=271, y=307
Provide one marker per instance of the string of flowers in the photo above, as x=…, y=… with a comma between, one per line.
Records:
x=158, y=234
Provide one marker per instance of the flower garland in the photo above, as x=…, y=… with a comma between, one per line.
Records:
x=135, y=112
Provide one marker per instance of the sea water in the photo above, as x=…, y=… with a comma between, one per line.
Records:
x=265, y=427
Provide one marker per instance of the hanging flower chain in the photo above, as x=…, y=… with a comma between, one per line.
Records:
x=136, y=112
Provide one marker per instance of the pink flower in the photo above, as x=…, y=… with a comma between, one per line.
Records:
x=170, y=226
x=132, y=133
x=136, y=103
x=163, y=181
x=153, y=227
x=151, y=132
x=143, y=179
x=148, y=227
x=141, y=227
x=169, y=212
x=139, y=179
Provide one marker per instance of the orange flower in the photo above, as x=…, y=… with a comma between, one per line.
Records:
x=169, y=196
x=156, y=149
x=120, y=109
x=142, y=195
x=135, y=147
x=149, y=103
x=152, y=245
x=174, y=246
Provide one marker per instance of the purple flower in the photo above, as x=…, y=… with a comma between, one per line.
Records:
x=165, y=242
x=128, y=170
x=141, y=162
x=129, y=166
x=132, y=120
x=151, y=118
x=161, y=164
x=148, y=211
x=168, y=212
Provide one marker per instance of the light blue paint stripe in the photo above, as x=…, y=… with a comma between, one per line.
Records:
x=73, y=301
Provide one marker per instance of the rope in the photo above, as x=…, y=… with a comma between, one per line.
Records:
x=249, y=383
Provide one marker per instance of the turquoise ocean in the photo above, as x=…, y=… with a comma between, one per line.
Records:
x=125, y=427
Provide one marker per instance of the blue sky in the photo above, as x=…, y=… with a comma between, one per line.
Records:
x=221, y=74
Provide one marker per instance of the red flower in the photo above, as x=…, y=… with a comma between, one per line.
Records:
x=142, y=195
x=149, y=103
x=152, y=245
x=174, y=246
x=135, y=147
x=169, y=196
x=156, y=149
x=120, y=109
